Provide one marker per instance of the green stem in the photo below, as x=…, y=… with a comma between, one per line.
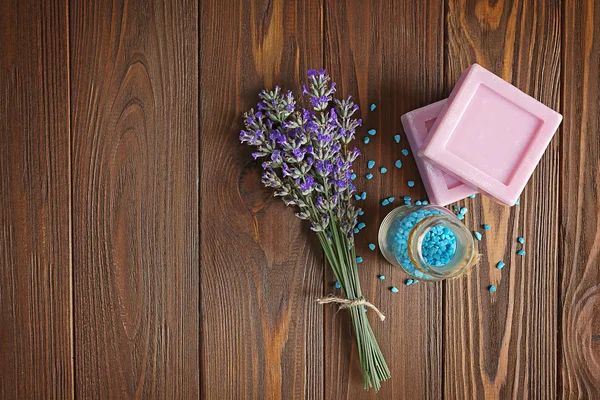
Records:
x=374, y=369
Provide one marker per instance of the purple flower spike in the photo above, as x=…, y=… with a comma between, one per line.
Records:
x=285, y=169
x=332, y=115
x=308, y=184
x=299, y=154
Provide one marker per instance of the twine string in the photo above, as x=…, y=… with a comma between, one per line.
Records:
x=347, y=303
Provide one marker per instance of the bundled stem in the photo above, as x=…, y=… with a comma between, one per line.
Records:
x=341, y=257
x=309, y=166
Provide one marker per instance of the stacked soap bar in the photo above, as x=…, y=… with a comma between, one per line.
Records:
x=488, y=136
x=442, y=189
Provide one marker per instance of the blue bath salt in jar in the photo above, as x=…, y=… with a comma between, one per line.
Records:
x=428, y=242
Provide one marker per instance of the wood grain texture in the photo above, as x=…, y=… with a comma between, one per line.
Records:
x=262, y=269
x=35, y=263
x=503, y=345
x=119, y=132
x=579, y=352
x=389, y=53
x=134, y=91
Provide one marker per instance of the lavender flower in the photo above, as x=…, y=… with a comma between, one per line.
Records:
x=307, y=158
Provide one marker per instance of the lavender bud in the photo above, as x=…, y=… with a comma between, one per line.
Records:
x=304, y=214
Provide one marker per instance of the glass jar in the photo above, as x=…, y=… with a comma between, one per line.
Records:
x=428, y=242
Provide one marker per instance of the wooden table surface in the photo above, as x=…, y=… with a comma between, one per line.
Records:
x=141, y=256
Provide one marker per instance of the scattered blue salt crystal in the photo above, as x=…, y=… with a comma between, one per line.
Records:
x=382, y=277
x=398, y=164
x=517, y=202
x=383, y=170
x=460, y=217
x=472, y=196
x=371, y=246
x=394, y=289
x=500, y=265
x=363, y=195
x=415, y=281
x=372, y=107
x=520, y=240
x=391, y=199
x=366, y=140
x=361, y=225
x=361, y=212
x=492, y=288
x=521, y=252
x=418, y=203
x=359, y=260
x=477, y=235
x=370, y=164
x=385, y=202
x=456, y=208
x=353, y=176
x=372, y=132
x=409, y=282
x=397, y=138
x=404, y=152
x=486, y=227
x=411, y=183
x=357, y=196
x=407, y=198
x=356, y=230
x=464, y=210
x=425, y=202
x=369, y=176
x=337, y=285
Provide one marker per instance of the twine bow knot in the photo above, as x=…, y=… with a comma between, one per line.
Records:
x=347, y=303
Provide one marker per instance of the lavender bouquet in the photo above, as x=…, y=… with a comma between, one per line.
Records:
x=309, y=165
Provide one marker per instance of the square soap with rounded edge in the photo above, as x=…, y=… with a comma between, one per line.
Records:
x=442, y=189
x=490, y=135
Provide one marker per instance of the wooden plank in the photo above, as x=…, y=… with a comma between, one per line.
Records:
x=262, y=269
x=503, y=345
x=134, y=77
x=579, y=351
x=35, y=273
x=389, y=53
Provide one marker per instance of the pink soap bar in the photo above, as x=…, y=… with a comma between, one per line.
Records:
x=442, y=189
x=490, y=135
